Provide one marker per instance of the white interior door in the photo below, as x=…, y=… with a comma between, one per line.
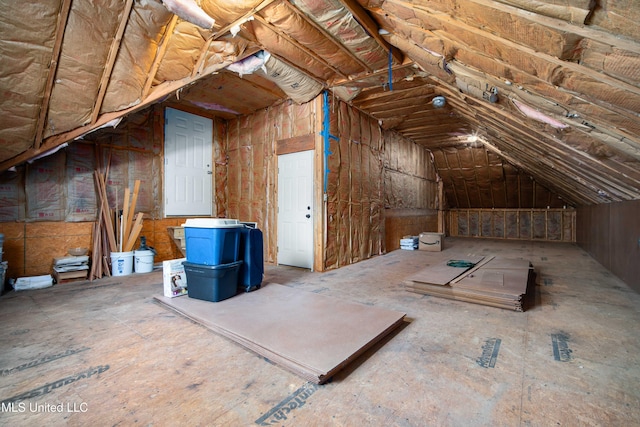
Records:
x=295, y=209
x=188, y=174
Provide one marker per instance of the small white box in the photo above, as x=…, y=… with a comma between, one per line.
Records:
x=174, y=278
x=431, y=242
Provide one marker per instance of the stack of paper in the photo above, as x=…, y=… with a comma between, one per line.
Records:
x=34, y=282
x=70, y=267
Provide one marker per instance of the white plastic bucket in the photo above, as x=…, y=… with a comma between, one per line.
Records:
x=143, y=261
x=121, y=263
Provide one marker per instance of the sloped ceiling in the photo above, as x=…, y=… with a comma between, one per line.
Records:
x=542, y=91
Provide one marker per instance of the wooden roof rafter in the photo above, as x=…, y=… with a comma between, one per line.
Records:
x=371, y=27
x=111, y=60
x=357, y=80
x=328, y=36
x=162, y=49
x=575, y=196
x=299, y=46
x=451, y=26
x=512, y=136
x=551, y=160
x=63, y=17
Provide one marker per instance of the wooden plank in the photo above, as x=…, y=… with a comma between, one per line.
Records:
x=295, y=144
x=111, y=60
x=102, y=192
x=132, y=209
x=508, y=263
x=125, y=217
x=63, y=16
x=135, y=231
x=506, y=286
x=160, y=52
x=371, y=27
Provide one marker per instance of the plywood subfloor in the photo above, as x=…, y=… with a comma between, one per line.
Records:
x=312, y=335
x=121, y=358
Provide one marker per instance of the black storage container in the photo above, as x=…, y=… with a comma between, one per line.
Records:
x=212, y=282
x=251, y=252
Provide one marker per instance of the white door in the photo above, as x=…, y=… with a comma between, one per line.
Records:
x=295, y=209
x=188, y=174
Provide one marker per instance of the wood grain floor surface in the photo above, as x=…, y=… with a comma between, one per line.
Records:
x=105, y=353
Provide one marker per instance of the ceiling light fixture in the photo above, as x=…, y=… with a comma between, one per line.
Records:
x=439, y=101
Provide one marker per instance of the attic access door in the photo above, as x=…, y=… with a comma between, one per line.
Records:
x=187, y=164
x=295, y=209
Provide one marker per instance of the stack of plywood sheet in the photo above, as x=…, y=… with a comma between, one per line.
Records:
x=497, y=282
x=309, y=334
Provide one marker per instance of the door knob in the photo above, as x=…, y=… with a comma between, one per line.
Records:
x=308, y=215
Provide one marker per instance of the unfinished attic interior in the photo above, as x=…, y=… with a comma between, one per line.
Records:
x=338, y=128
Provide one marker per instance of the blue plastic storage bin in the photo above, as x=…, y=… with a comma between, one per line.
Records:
x=212, y=241
x=251, y=252
x=212, y=282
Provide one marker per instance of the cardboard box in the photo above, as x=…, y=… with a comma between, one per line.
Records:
x=431, y=242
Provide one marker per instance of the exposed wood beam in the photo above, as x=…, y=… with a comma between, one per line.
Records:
x=371, y=28
x=407, y=96
x=503, y=123
x=162, y=49
x=354, y=80
x=390, y=96
x=111, y=60
x=63, y=17
x=546, y=151
x=400, y=106
x=472, y=54
x=585, y=31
